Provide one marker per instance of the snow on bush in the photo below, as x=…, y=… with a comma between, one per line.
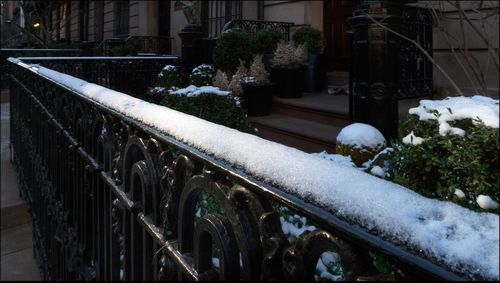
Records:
x=202, y=75
x=463, y=240
x=340, y=159
x=450, y=151
x=360, y=136
x=193, y=90
x=477, y=108
x=359, y=141
x=412, y=139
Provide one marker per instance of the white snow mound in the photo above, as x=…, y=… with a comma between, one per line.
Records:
x=360, y=136
x=450, y=109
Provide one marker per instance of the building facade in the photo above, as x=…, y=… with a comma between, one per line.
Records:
x=96, y=21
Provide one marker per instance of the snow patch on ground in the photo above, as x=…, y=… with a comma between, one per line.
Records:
x=340, y=159
x=360, y=136
x=439, y=229
x=451, y=109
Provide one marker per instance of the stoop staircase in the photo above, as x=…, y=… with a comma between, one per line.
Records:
x=310, y=123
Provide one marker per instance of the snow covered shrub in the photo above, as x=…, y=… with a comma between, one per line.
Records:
x=208, y=103
x=202, y=75
x=155, y=94
x=265, y=40
x=360, y=141
x=450, y=151
x=289, y=56
x=169, y=77
x=230, y=48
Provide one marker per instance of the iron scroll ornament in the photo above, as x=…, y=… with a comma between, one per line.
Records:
x=137, y=190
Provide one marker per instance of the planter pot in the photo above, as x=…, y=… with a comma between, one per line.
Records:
x=314, y=78
x=267, y=60
x=257, y=100
x=289, y=82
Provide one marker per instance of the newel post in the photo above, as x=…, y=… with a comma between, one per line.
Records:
x=374, y=69
x=191, y=53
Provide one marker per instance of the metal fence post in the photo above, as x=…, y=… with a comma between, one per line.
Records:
x=374, y=74
x=190, y=48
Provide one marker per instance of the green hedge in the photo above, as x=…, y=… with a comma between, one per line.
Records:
x=443, y=164
x=223, y=110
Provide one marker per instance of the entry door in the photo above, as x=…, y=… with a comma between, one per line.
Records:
x=337, y=47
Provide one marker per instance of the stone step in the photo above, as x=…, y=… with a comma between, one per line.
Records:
x=302, y=134
x=337, y=78
x=315, y=107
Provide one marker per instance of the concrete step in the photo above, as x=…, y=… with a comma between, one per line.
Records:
x=305, y=135
x=337, y=78
x=315, y=107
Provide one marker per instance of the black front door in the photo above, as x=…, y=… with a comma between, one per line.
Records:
x=337, y=47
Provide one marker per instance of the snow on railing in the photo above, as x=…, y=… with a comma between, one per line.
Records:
x=463, y=240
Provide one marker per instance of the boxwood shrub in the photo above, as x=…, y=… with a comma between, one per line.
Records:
x=232, y=46
x=223, y=110
x=443, y=164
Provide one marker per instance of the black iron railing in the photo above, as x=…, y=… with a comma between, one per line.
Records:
x=252, y=26
x=142, y=44
x=31, y=52
x=131, y=75
x=112, y=198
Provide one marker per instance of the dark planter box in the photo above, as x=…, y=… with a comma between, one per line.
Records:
x=257, y=100
x=289, y=82
x=267, y=60
x=314, y=78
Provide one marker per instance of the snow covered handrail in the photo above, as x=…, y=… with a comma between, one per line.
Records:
x=115, y=181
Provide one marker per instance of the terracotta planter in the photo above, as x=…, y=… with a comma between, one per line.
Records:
x=257, y=100
x=289, y=82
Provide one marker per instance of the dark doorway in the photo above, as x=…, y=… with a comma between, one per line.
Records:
x=164, y=18
x=335, y=14
x=164, y=43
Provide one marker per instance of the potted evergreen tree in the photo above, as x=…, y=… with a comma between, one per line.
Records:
x=316, y=71
x=264, y=42
x=258, y=90
x=230, y=48
x=288, y=68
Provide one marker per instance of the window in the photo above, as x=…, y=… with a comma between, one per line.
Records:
x=219, y=13
x=122, y=18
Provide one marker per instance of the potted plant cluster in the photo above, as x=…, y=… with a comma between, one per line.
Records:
x=314, y=43
x=230, y=48
x=258, y=90
x=265, y=42
x=288, y=68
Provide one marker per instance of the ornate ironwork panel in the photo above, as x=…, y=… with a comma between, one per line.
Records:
x=131, y=75
x=113, y=199
x=252, y=26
